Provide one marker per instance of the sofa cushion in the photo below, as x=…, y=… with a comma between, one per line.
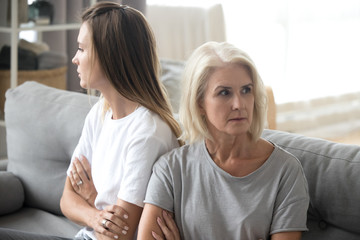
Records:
x=332, y=170
x=171, y=74
x=40, y=222
x=12, y=193
x=43, y=126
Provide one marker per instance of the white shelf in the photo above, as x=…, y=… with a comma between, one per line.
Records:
x=42, y=28
x=14, y=31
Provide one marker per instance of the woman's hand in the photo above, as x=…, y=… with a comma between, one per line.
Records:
x=81, y=180
x=168, y=227
x=111, y=223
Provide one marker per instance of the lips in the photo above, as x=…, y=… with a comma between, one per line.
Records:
x=237, y=119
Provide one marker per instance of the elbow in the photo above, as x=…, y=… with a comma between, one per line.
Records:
x=63, y=204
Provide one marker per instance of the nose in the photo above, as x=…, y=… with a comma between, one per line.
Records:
x=238, y=102
x=75, y=60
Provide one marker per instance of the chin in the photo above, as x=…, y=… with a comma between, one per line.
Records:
x=83, y=84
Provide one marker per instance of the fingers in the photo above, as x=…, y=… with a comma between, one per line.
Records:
x=104, y=228
x=166, y=231
x=118, y=217
x=79, y=171
x=86, y=165
x=168, y=227
x=170, y=223
x=74, y=180
x=112, y=225
x=156, y=236
x=117, y=211
x=74, y=177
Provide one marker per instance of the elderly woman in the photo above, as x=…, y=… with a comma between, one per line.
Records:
x=227, y=182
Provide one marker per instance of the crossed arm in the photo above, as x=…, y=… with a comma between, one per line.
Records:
x=77, y=204
x=156, y=223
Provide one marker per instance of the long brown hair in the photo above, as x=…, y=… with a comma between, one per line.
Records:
x=125, y=45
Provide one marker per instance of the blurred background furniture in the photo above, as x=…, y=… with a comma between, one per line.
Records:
x=180, y=28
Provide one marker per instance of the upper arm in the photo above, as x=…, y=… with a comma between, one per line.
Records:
x=134, y=214
x=148, y=222
x=286, y=236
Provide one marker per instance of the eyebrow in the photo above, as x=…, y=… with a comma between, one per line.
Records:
x=248, y=85
x=222, y=87
x=226, y=87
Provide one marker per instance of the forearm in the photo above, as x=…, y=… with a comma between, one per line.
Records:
x=91, y=200
x=81, y=180
x=148, y=222
x=75, y=208
x=286, y=236
x=132, y=218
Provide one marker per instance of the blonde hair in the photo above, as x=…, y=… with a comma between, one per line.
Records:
x=124, y=43
x=199, y=67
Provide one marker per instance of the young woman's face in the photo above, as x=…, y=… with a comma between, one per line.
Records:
x=228, y=101
x=89, y=71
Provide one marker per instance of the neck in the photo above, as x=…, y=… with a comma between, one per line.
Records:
x=120, y=106
x=223, y=149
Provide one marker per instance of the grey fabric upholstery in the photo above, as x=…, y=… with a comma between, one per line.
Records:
x=43, y=126
x=12, y=193
x=35, y=220
x=171, y=78
x=332, y=171
x=3, y=164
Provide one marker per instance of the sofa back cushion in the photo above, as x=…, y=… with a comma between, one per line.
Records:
x=43, y=126
x=332, y=171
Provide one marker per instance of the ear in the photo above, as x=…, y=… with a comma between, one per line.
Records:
x=201, y=108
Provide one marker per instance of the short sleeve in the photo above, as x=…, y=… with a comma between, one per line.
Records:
x=290, y=213
x=140, y=159
x=160, y=191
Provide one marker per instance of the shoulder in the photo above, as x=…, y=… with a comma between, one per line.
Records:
x=282, y=162
x=279, y=154
x=150, y=126
x=95, y=113
x=285, y=157
x=287, y=166
x=147, y=121
x=184, y=157
x=147, y=132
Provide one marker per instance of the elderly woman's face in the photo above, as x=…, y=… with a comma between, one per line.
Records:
x=228, y=102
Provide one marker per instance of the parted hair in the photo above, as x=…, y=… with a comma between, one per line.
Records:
x=125, y=45
x=199, y=67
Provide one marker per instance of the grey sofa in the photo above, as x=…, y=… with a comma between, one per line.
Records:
x=43, y=125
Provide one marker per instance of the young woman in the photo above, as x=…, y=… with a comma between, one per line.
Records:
x=124, y=133
x=228, y=182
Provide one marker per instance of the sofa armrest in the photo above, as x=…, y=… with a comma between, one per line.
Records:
x=3, y=164
x=11, y=192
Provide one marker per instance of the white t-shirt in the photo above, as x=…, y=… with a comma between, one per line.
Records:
x=121, y=153
x=209, y=203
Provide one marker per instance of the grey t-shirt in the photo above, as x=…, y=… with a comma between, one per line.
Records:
x=209, y=203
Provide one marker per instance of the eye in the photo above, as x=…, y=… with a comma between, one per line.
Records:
x=80, y=49
x=224, y=92
x=246, y=90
